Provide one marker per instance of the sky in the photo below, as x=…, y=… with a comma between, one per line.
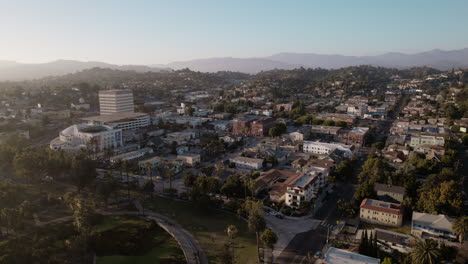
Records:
x=158, y=32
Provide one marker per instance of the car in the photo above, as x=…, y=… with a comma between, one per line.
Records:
x=273, y=213
x=159, y=178
x=280, y=216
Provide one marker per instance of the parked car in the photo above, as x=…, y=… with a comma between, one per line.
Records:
x=280, y=216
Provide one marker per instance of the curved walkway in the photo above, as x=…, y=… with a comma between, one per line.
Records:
x=189, y=245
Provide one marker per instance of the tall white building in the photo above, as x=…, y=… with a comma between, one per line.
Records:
x=115, y=101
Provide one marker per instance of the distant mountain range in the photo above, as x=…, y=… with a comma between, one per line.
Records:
x=13, y=71
x=438, y=59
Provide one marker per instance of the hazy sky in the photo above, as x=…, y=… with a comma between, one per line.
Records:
x=151, y=32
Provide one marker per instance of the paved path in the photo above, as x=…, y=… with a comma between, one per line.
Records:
x=190, y=246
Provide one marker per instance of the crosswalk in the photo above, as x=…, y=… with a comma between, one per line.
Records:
x=327, y=225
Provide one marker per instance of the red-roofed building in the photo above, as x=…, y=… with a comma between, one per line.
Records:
x=380, y=212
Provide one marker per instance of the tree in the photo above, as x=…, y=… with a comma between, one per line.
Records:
x=83, y=171
x=148, y=187
x=387, y=261
x=189, y=179
x=445, y=198
x=269, y=238
x=226, y=256
x=364, y=245
x=460, y=226
x=105, y=189
x=364, y=190
x=232, y=187
x=256, y=223
x=425, y=252
x=83, y=210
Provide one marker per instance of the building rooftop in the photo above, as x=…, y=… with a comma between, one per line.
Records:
x=359, y=130
x=115, y=91
x=389, y=188
x=116, y=117
x=382, y=206
x=340, y=256
x=439, y=222
x=246, y=159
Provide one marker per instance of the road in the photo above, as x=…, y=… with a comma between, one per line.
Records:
x=314, y=240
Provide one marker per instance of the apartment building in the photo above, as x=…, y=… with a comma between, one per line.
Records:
x=380, y=212
x=322, y=148
x=252, y=125
x=247, y=163
x=417, y=140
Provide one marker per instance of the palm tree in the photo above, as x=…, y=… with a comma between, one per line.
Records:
x=126, y=167
x=119, y=165
x=460, y=226
x=425, y=252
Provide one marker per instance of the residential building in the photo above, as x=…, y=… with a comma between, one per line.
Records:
x=274, y=182
x=357, y=135
x=427, y=148
x=296, y=136
x=323, y=148
x=380, y=212
x=305, y=186
x=341, y=256
x=247, y=163
x=417, y=140
x=431, y=226
x=252, y=125
x=190, y=158
x=284, y=107
x=115, y=101
x=125, y=120
x=95, y=137
x=131, y=155
x=390, y=193
x=325, y=132
x=390, y=241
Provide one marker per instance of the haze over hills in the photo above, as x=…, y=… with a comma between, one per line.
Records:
x=438, y=59
x=14, y=71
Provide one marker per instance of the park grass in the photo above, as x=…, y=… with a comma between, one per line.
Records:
x=164, y=247
x=208, y=227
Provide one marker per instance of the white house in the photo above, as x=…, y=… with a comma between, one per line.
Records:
x=247, y=163
x=323, y=148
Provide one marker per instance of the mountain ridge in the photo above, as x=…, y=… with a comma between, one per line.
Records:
x=436, y=58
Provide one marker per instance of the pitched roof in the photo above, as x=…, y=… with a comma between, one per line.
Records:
x=440, y=222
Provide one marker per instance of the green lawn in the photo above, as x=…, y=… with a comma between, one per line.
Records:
x=165, y=248
x=157, y=255
x=208, y=227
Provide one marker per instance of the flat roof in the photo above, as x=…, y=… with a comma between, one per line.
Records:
x=115, y=91
x=340, y=256
x=123, y=116
x=382, y=206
